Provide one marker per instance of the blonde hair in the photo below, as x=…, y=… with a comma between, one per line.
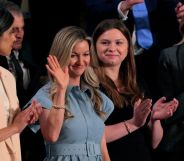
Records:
x=62, y=47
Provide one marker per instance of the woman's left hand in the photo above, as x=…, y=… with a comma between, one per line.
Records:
x=163, y=110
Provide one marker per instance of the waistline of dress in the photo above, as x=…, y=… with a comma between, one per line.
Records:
x=89, y=149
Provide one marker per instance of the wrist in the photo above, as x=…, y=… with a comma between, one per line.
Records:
x=125, y=6
x=153, y=122
x=127, y=127
x=14, y=128
x=131, y=125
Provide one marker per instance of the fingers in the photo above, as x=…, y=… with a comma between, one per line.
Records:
x=179, y=11
x=52, y=61
x=35, y=112
x=161, y=100
x=146, y=104
x=137, y=103
x=65, y=70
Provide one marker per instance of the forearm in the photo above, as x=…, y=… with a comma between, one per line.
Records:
x=156, y=132
x=104, y=150
x=7, y=132
x=54, y=121
x=119, y=130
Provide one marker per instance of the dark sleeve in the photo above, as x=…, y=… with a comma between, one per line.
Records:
x=165, y=77
x=179, y=114
x=102, y=7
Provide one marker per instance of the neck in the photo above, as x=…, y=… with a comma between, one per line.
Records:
x=181, y=42
x=74, y=81
x=112, y=73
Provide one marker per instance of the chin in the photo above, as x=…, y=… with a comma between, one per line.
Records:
x=7, y=53
x=17, y=47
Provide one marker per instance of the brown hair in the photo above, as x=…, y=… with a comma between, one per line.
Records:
x=127, y=69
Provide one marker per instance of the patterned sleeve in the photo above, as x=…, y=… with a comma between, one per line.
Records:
x=107, y=106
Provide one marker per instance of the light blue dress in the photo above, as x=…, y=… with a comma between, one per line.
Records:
x=80, y=136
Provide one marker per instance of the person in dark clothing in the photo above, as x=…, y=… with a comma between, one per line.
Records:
x=171, y=78
x=115, y=67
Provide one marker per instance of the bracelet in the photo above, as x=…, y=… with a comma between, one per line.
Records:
x=126, y=127
x=59, y=107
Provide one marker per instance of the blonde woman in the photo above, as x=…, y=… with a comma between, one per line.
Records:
x=72, y=122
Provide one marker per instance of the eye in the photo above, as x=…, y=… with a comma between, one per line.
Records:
x=73, y=55
x=105, y=42
x=86, y=54
x=119, y=42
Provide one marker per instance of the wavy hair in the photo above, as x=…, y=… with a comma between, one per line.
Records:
x=62, y=47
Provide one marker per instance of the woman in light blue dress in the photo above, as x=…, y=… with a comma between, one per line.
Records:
x=72, y=121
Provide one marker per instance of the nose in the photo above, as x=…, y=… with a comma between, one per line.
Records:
x=13, y=37
x=79, y=59
x=19, y=33
x=112, y=47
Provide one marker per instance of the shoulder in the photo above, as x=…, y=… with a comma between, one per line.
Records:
x=168, y=54
x=43, y=96
x=6, y=73
x=107, y=105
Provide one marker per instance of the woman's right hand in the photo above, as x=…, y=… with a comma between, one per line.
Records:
x=142, y=109
x=27, y=116
x=61, y=76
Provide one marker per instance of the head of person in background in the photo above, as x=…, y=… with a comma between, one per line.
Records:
x=113, y=48
x=15, y=10
x=7, y=36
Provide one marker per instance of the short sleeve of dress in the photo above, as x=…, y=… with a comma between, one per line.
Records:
x=107, y=106
x=43, y=97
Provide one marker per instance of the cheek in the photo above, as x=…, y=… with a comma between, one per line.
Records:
x=100, y=53
x=100, y=49
x=88, y=60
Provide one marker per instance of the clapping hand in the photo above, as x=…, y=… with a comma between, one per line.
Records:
x=142, y=108
x=163, y=110
x=27, y=116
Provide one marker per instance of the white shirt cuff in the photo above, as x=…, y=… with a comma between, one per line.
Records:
x=123, y=15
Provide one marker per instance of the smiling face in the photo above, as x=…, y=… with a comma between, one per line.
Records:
x=112, y=47
x=6, y=41
x=80, y=59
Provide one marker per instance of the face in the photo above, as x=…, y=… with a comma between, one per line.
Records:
x=18, y=30
x=112, y=47
x=6, y=41
x=80, y=59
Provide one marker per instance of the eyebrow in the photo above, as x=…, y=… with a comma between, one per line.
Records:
x=80, y=53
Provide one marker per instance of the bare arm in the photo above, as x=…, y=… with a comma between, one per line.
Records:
x=51, y=121
x=161, y=110
x=21, y=120
x=104, y=150
x=141, y=112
